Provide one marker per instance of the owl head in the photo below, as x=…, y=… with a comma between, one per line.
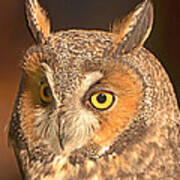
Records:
x=86, y=92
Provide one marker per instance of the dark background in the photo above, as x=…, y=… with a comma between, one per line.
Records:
x=65, y=14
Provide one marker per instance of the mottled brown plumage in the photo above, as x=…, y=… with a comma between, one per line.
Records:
x=95, y=104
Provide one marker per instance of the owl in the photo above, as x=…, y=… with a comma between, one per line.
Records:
x=95, y=105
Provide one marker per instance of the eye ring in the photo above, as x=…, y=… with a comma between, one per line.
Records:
x=45, y=93
x=102, y=100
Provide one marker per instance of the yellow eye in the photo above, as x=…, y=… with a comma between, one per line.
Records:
x=45, y=93
x=102, y=100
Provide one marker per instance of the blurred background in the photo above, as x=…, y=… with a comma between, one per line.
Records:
x=65, y=14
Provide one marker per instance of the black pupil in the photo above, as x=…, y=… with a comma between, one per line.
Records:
x=47, y=91
x=101, y=98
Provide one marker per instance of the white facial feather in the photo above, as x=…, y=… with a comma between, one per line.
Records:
x=77, y=123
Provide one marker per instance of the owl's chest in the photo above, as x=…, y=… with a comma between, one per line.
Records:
x=100, y=169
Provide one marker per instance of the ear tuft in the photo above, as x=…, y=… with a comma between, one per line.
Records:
x=38, y=21
x=134, y=29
